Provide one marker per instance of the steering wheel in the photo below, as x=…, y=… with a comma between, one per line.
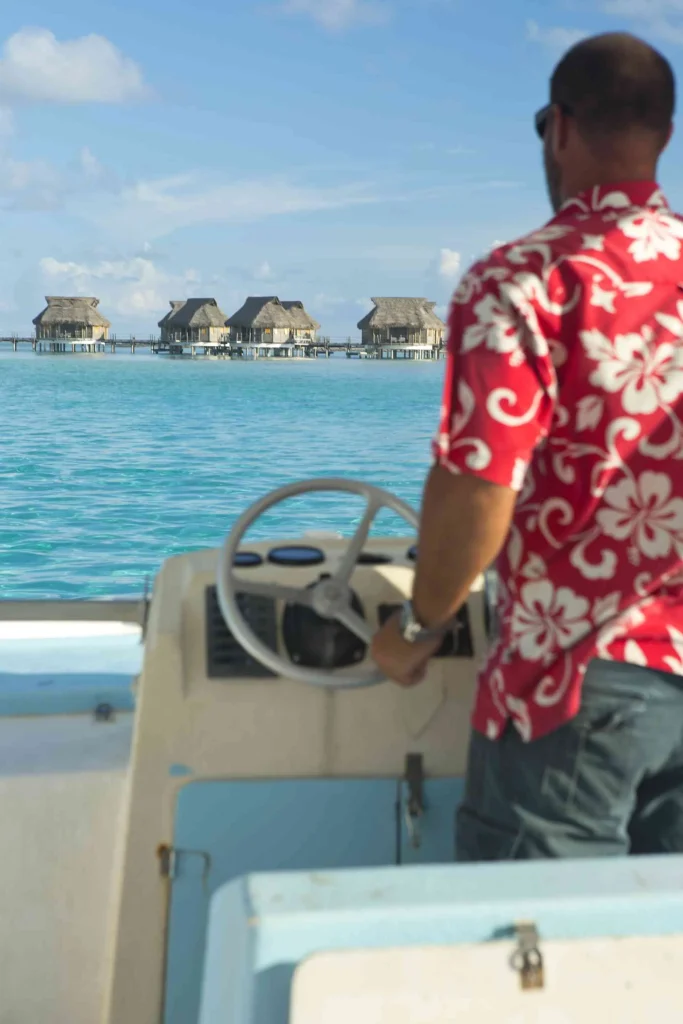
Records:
x=330, y=598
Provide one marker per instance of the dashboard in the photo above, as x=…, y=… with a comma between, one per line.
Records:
x=308, y=639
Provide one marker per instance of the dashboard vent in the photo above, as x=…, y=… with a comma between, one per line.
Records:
x=225, y=658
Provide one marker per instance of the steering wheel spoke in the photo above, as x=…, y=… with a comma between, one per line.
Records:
x=278, y=591
x=358, y=626
x=357, y=542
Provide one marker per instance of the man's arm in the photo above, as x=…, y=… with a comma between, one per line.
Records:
x=464, y=522
x=498, y=400
x=463, y=525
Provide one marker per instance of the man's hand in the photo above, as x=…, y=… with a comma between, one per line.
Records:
x=405, y=663
x=463, y=526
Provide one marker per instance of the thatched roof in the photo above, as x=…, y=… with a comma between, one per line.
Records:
x=76, y=310
x=188, y=313
x=266, y=311
x=301, y=318
x=417, y=314
x=261, y=311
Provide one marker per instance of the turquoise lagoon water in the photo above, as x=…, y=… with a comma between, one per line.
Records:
x=108, y=465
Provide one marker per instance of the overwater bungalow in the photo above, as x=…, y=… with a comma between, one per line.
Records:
x=195, y=322
x=265, y=320
x=305, y=327
x=71, y=319
x=406, y=322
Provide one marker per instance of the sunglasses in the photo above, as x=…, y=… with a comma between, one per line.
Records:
x=541, y=118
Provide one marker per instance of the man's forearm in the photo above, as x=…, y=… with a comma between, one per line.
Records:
x=463, y=526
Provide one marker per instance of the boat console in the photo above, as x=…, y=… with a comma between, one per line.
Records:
x=268, y=741
x=274, y=844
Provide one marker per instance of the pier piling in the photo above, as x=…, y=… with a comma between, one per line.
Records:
x=226, y=350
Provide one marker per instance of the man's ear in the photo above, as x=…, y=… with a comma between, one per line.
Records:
x=669, y=136
x=559, y=131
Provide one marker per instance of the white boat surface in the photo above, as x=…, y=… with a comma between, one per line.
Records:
x=191, y=837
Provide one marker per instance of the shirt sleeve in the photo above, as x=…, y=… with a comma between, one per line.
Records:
x=500, y=385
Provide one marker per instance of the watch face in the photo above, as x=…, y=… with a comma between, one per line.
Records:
x=407, y=622
x=410, y=628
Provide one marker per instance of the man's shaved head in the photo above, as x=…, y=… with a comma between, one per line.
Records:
x=612, y=104
x=616, y=84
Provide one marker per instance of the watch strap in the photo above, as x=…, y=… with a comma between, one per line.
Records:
x=412, y=630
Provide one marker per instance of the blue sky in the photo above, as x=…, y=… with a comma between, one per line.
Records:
x=328, y=150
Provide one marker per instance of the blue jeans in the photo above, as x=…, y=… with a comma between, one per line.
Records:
x=608, y=783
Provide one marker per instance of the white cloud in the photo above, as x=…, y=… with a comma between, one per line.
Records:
x=41, y=185
x=139, y=213
x=556, y=38
x=264, y=272
x=667, y=31
x=323, y=301
x=36, y=67
x=155, y=208
x=337, y=15
x=659, y=19
x=449, y=263
x=129, y=287
x=642, y=8
x=6, y=122
x=91, y=166
x=29, y=184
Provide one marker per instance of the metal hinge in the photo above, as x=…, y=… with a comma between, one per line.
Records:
x=414, y=807
x=169, y=857
x=104, y=713
x=527, y=959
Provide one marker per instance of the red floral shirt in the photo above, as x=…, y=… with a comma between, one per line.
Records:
x=564, y=381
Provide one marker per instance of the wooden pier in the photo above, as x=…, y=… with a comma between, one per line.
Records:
x=321, y=349
x=83, y=346
x=326, y=349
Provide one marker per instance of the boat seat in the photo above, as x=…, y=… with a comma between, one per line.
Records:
x=578, y=941
x=68, y=668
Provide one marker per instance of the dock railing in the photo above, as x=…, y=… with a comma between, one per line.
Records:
x=294, y=348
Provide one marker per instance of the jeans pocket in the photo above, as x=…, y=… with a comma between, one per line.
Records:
x=609, y=756
x=602, y=715
x=612, y=695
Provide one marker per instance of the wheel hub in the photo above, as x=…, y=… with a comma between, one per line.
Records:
x=330, y=597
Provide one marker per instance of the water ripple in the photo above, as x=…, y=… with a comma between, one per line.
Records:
x=110, y=465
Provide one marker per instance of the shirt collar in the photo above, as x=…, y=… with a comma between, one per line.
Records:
x=617, y=196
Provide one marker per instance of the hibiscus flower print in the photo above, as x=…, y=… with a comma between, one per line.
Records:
x=495, y=327
x=654, y=232
x=675, y=664
x=644, y=512
x=672, y=323
x=469, y=285
x=518, y=474
x=647, y=374
x=545, y=620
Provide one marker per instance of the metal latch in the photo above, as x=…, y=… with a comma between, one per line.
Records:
x=168, y=861
x=527, y=959
x=414, y=808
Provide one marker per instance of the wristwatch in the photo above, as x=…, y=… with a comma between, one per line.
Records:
x=413, y=631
